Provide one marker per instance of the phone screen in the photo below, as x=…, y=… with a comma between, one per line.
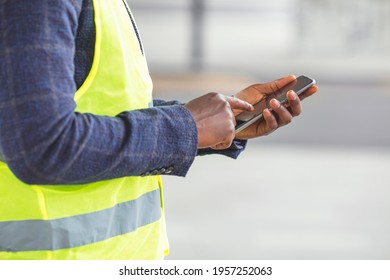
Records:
x=299, y=85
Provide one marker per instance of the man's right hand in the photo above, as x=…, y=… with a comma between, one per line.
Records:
x=215, y=120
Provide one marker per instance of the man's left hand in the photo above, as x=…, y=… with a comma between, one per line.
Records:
x=280, y=115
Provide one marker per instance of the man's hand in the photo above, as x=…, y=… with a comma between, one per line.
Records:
x=281, y=115
x=215, y=120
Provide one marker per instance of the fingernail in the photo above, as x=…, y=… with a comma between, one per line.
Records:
x=275, y=102
x=293, y=95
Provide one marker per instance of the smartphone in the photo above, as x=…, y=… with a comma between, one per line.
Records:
x=299, y=85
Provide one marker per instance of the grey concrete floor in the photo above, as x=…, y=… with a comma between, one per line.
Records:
x=282, y=202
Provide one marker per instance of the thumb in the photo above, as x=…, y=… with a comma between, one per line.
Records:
x=274, y=86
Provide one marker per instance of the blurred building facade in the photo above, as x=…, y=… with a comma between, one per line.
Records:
x=347, y=27
x=221, y=34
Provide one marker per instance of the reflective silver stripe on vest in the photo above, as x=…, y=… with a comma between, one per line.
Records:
x=75, y=231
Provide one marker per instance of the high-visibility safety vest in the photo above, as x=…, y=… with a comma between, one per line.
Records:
x=115, y=219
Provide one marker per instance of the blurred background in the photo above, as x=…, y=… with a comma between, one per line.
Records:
x=317, y=189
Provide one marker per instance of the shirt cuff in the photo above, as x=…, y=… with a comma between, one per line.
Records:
x=233, y=151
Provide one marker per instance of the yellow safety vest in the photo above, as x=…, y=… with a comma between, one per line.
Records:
x=114, y=219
